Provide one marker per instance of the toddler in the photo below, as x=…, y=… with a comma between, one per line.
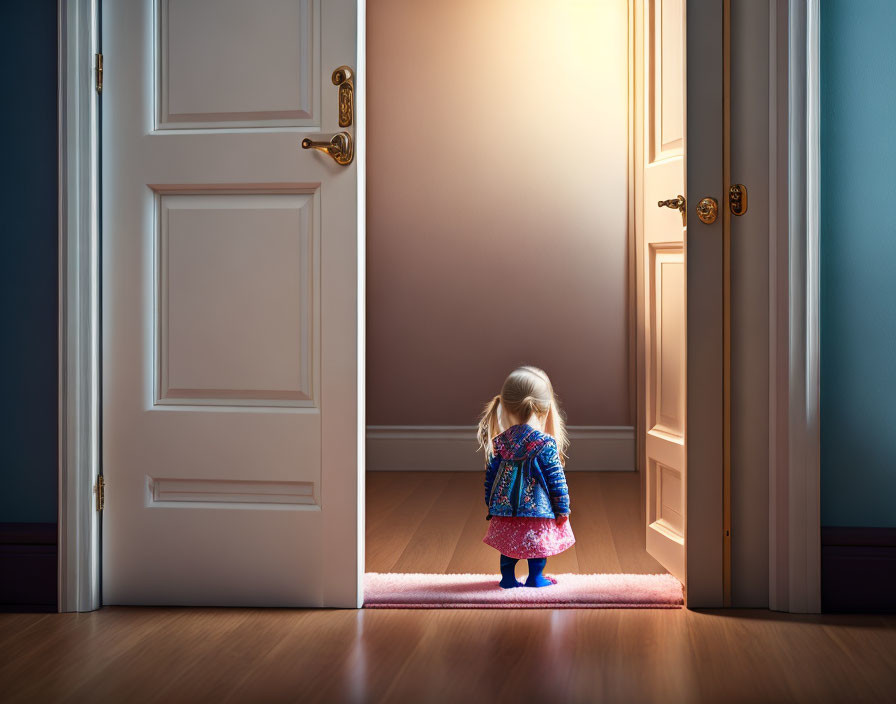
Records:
x=525, y=443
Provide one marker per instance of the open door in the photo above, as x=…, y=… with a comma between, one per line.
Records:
x=662, y=282
x=682, y=257
x=230, y=304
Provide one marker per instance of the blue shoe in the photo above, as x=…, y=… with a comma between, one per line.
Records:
x=510, y=583
x=536, y=578
x=508, y=577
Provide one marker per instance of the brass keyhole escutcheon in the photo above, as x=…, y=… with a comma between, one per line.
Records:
x=708, y=210
x=737, y=199
x=344, y=79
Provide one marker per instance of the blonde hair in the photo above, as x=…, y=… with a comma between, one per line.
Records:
x=526, y=391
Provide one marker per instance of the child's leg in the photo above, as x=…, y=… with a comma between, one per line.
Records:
x=536, y=578
x=508, y=577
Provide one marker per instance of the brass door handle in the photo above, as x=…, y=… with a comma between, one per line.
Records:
x=680, y=204
x=340, y=146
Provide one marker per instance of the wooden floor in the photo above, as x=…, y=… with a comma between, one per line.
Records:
x=122, y=654
x=135, y=655
x=434, y=522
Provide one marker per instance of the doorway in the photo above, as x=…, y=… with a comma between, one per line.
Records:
x=314, y=496
x=513, y=152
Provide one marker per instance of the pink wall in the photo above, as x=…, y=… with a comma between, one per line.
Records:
x=496, y=205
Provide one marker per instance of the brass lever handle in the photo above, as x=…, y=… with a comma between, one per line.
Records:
x=340, y=146
x=678, y=203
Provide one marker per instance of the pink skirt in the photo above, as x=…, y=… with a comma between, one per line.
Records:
x=524, y=538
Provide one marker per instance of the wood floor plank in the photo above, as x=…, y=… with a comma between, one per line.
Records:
x=643, y=644
x=621, y=503
x=204, y=637
x=303, y=660
x=366, y=676
x=88, y=651
x=130, y=654
x=18, y=625
x=863, y=645
x=386, y=491
x=390, y=536
x=471, y=555
x=605, y=519
x=437, y=535
x=594, y=547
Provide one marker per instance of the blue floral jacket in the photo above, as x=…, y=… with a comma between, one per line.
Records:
x=524, y=476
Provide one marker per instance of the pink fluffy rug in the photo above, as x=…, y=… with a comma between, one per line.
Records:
x=472, y=591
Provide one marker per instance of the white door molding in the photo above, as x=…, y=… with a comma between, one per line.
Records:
x=794, y=470
x=78, y=419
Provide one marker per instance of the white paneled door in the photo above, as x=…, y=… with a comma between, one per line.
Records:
x=230, y=304
x=663, y=283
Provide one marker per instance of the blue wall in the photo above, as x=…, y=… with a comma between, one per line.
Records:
x=28, y=267
x=858, y=263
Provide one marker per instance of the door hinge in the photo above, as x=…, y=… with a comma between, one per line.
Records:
x=100, y=491
x=99, y=73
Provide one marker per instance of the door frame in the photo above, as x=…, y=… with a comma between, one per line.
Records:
x=794, y=343
x=794, y=517
x=79, y=313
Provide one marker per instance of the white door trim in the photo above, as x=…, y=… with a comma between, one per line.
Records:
x=79, y=296
x=794, y=458
x=361, y=298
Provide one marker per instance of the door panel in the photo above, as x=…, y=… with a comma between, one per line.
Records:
x=663, y=280
x=667, y=348
x=230, y=366
x=263, y=351
x=228, y=63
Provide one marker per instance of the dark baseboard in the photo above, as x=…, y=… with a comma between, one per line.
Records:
x=858, y=569
x=28, y=567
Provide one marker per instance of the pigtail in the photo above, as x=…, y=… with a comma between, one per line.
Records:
x=555, y=425
x=488, y=426
x=528, y=407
